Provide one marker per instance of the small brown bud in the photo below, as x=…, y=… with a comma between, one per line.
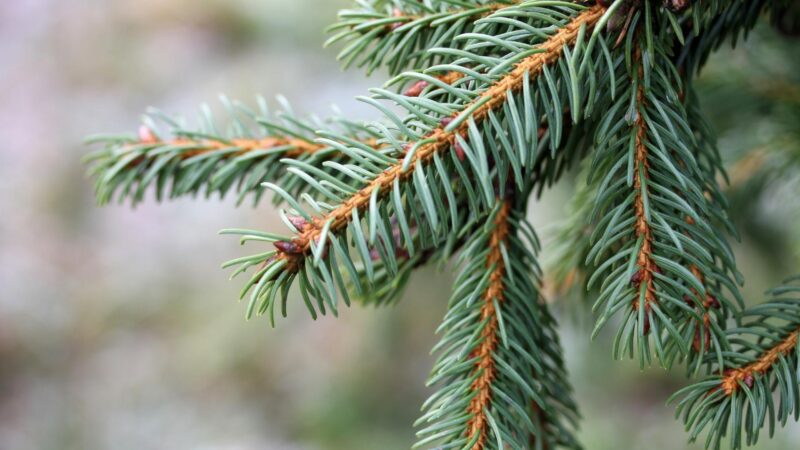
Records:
x=416, y=89
x=748, y=380
x=288, y=247
x=460, y=151
x=637, y=277
x=713, y=302
x=445, y=122
x=702, y=336
x=688, y=300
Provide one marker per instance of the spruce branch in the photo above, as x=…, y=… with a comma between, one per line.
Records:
x=739, y=396
x=656, y=256
x=499, y=366
x=239, y=154
x=423, y=177
x=444, y=137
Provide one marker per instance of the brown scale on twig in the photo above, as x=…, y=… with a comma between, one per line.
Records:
x=441, y=139
x=485, y=369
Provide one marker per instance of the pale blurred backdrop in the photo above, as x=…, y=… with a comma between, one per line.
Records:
x=118, y=329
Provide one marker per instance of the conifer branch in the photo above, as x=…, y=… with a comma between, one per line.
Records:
x=437, y=171
x=648, y=181
x=191, y=160
x=740, y=395
x=440, y=139
x=501, y=390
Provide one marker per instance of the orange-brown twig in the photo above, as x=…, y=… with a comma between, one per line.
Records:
x=478, y=425
x=295, y=147
x=731, y=379
x=644, y=260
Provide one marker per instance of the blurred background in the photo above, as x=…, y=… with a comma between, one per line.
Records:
x=118, y=330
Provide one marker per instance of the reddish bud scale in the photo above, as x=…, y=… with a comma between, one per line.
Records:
x=646, y=325
x=445, y=122
x=416, y=89
x=298, y=223
x=146, y=135
x=460, y=151
x=287, y=247
x=749, y=380
x=702, y=336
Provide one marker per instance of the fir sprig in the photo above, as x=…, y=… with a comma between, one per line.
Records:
x=763, y=368
x=659, y=260
x=239, y=154
x=499, y=361
x=416, y=183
